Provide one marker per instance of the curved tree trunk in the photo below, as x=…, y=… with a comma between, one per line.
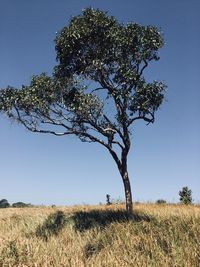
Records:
x=123, y=170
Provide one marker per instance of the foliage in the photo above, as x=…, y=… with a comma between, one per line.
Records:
x=4, y=203
x=98, y=89
x=20, y=205
x=185, y=195
x=161, y=201
x=95, y=47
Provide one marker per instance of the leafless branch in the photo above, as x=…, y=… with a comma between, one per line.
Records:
x=148, y=120
x=143, y=68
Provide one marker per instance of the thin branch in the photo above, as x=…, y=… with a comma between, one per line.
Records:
x=118, y=143
x=34, y=129
x=97, y=89
x=112, y=91
x=149, y=120
x=144, y=67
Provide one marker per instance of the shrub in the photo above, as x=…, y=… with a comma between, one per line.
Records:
x=185, y=196
x=161, y=201
x=20, y=205
x=4, y=203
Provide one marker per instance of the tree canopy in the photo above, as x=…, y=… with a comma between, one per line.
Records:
x=4, y=203
x=97, y=90
x=185, y=195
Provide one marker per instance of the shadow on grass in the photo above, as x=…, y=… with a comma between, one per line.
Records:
x=52, y=225
x=101, y=218
x=83, y=221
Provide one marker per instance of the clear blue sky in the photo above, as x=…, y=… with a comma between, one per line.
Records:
x=165, y=156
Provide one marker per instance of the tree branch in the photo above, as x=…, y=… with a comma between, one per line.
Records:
x=149, y=120
x=144, y=67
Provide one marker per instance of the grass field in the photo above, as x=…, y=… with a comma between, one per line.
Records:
x=156, y=235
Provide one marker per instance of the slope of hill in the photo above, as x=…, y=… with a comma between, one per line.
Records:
x=156, y=235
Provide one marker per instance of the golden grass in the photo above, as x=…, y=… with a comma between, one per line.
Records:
x=156, y=235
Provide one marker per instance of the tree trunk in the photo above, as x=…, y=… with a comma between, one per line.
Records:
x=122, y=167
x=127, y=190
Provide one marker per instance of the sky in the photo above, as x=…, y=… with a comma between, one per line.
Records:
x=165, y=156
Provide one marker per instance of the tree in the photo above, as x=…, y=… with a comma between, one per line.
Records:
x=4, y=203
x=161, y=201
x=108, y=202
x=185, y=195
x=98, y=90
x=20, y=205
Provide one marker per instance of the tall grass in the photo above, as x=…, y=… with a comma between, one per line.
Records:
x=156, y=235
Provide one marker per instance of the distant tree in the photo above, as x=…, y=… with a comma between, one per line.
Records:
x=185, y=195
x=98, y=90
x=108, y=202
x=4, y=203
x=20, y=205
x=161, y=201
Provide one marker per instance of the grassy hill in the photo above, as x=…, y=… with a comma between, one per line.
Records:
x=156, y=235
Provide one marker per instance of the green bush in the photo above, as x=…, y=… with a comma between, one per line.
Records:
x=161, y=201
x=4, y=203
x=185, y=196
x=20, y=205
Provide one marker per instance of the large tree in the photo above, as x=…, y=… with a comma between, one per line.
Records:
x=98, y=90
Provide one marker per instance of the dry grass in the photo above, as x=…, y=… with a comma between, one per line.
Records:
x=156, y=235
